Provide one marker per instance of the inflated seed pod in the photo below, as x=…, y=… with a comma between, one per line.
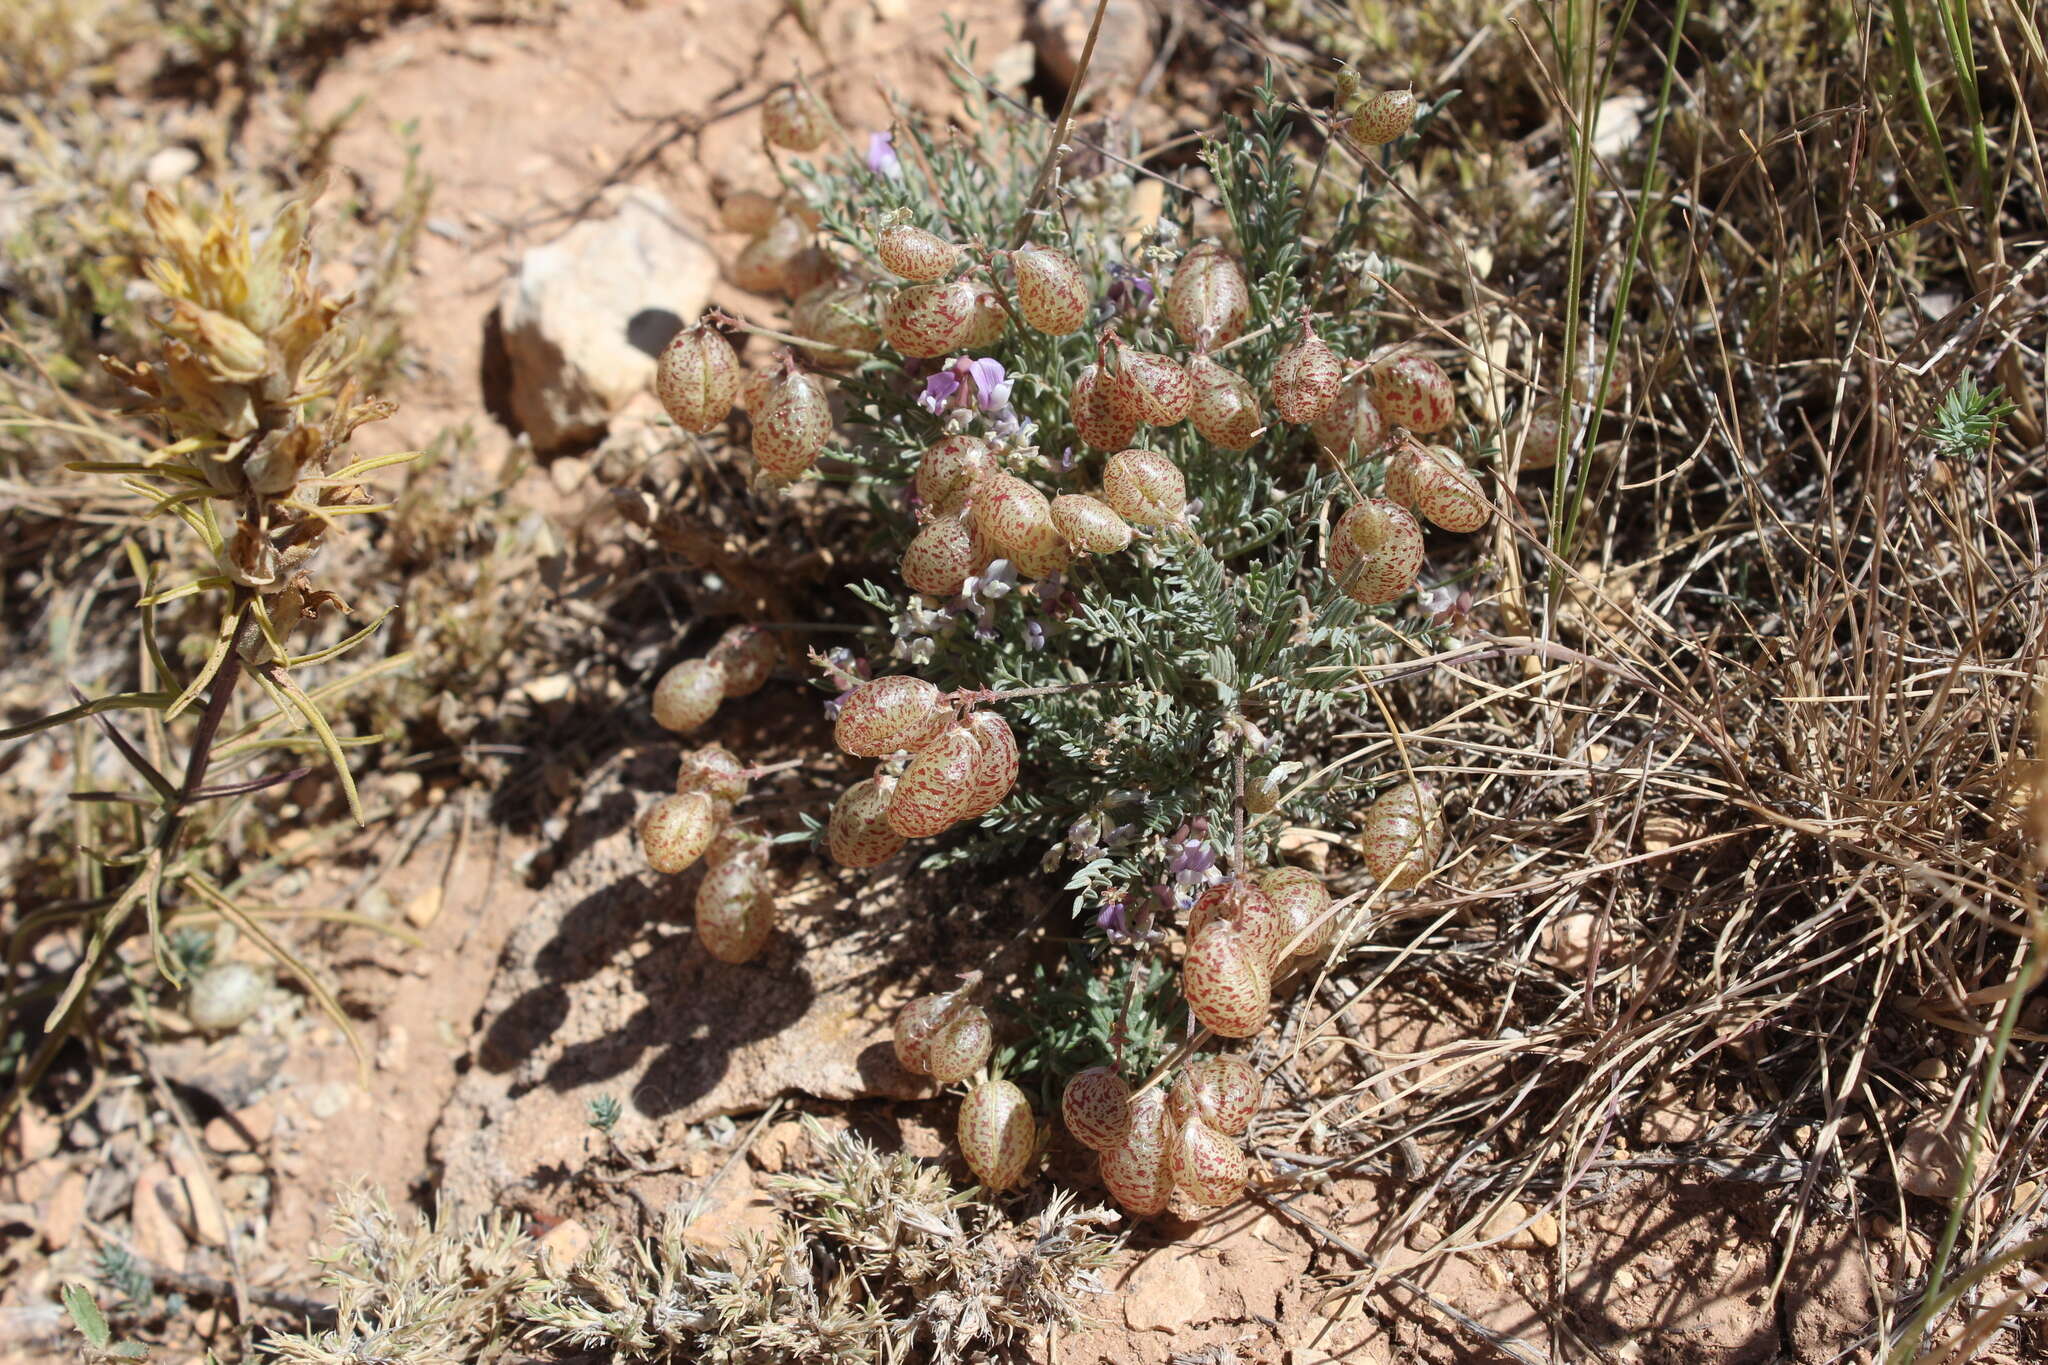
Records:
x=715, y=771
x=792, y=118
x=747, y=656
x=936, y=788
x=839, y=317
x=915, y=254
x=1138, y=1171
x=1226, y=408
x=1144, y=488
x=1539, y=441
x=756, y=388
x=1243, y=904
x=987, y=321
x=912, y=1031
x=224, y=996
x=1208, y=303
x=688, y=695
x=1090, y=526
x=809, y=271
x=931, y=319
x=1149, y=387
x=995, y=766
x=675, y=831
x=1375, y=551
x=958, y=1047
x=1402, y=836
x=889, y=713
x=1302, y=900
x=763, y=263
x=1097, y=1108
x=735, y=909
x=1351, y=427
x=1052, y=295
x=1041, y=555
x=948, y=471
x=747, y=211
x=1010, y=514
x=1224, y=980
x=1382, y=116
x=1208, y=1167
x=697, y=377
x=1306, y=378
x=858, y=833
x=997, y=1133
x=792, y=427
x=1435, y=482
x=1221, y=1090
x=1413, y=391
x=1097, y=418
x=941, y=555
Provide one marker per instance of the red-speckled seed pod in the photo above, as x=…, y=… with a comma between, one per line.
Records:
x=1090, y=526
x=811, y=269
x=792, y=427
x=1208, y=1167
x=987, y=321
x=915, y=254
x=1302, y=900
x=1226, y=408
x=1351, y=427
x=1144, y=488
x=1150, y=387
x=930, y=319
x=1413, y=391
x=957, y=1048
x=756, y=388
x=1306, y=378
x=1402, y=836
x=1010, y=515
x=997, y=1133
x=697, y=378
x=763, y=263
x=1097, y=419
x=839, y=316
x=736, y=909
x=1539, y=442
x=889, y=713
x=675, y=831
x=747, y=655
x=1243, y=904
x=912, y=1031
x=688, y=695
x=1052, y=295
x=1138, y=1172
x=935, y=789
x=1435, y=482
x=1382, y=116
x=747, y=211
x=793, y=118
x=715, y=771
x=1097, y=1108
x=995, y=767
x=948, y=471
x=941, y=555
x=1220, y=1090
x=1208, y=302
x=858, y=834
x=1042, y=555
x=1375, y=551
x=1224, y=980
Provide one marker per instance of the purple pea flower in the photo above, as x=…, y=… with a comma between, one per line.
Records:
x=939, y=392
x=882, y=156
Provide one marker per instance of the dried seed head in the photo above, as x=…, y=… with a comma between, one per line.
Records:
x=912, y=1031
x=1224, y=980
x=1435, y=482
x=735, y=909
x=1097, y=418
x=1402, y=836
x=714, y=770
x=947, y=472
x=1090, y=526
x=697, y=377
x=915, y=254
x=748, y=655
x=858, y=834
x=935, y=789
x=1241, y=903
x=889, y=713
x=997, y=1133
x=1208, y=1167
x=792, y=118
x=1138, y=1171
x=675, y=831
x=688, y=695
x=1221, y=1090
x=1375, y=551
x=958, y=1047
x=839, y=315
x=1382, y=116
x=930, y=319
x=1144, y=488
x=1011, y=515
x=763, y=263
x=1351, y=428
x=792, y=427
x=1208, y=302
x=1097, y=1108
x=941, y=555
x=1302, y=900
x=1413, y=391
x=1226, y=408
x=1052, y=296
x=1150, y=387
x=995, y=767
x=1306, y=378
x=747, y=211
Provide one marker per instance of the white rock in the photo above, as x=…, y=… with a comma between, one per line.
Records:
x=585, y=315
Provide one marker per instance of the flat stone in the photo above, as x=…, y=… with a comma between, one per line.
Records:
x=1166, y=1291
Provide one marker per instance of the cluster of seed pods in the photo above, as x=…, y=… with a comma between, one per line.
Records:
x=948, y=1037
x=958, y=768
x=1161, y=1143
